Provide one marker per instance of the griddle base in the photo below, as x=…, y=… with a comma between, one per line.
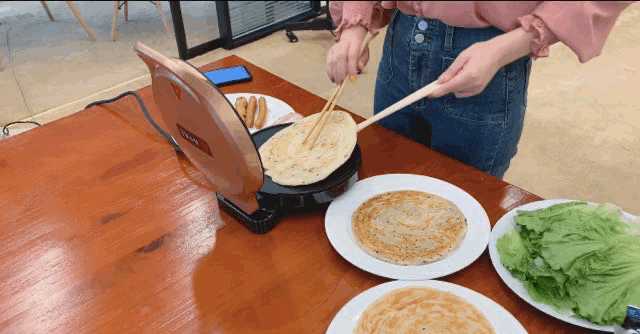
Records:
x=259, y=222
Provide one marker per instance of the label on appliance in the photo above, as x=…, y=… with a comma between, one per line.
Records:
x=195, y=140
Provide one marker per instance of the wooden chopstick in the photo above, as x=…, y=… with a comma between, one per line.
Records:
x=325, y=116
x=322, y=112
x=410, y=99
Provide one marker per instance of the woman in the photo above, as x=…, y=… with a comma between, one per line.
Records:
x=480, y=53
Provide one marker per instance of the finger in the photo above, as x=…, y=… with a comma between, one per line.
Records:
x=454, y=68
x=458, y=83
x=341, y=69
x=330, y=65
x=340, y=64
x=364, y=59
x=330, y=74
x=335, y=60
x=352, y=58
x=463, y=94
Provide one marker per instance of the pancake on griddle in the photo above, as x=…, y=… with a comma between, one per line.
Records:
x=290, y=163
x=408, y=227
x=422, y=310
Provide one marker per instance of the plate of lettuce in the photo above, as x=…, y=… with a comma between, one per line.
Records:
x=576, y=261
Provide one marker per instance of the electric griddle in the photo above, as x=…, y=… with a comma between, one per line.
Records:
x=212, y=136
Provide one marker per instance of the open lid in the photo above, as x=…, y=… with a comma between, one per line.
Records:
x=206, y=126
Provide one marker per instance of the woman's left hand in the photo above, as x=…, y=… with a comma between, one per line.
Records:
x=470, y=72
x=474, y=67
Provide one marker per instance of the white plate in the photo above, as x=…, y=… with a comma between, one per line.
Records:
x=347, y=318
x=507, y=224
x=278, y=110
x=337, y=224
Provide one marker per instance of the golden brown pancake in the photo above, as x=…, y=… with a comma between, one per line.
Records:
x=422, y=310
x=408, y=227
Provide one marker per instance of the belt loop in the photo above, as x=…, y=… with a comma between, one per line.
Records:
x=448, y=38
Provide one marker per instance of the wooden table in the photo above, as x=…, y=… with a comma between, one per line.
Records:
x=104, y=229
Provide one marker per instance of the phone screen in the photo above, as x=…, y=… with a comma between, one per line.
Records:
x=228, y=75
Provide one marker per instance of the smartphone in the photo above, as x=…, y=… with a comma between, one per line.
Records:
x=228, y=75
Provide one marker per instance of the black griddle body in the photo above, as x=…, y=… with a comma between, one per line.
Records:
x=277, y=200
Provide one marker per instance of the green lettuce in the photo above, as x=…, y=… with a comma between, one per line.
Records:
x=576, y=257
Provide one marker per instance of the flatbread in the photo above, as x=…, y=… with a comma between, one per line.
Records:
x=289, y=163
x=422, y=310
x=408, y=227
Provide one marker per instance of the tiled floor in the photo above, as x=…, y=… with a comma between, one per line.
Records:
x=582, y=132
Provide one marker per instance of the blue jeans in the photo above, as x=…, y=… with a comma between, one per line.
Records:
x=482, y=130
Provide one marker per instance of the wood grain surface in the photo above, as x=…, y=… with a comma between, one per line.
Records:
x=105, y=229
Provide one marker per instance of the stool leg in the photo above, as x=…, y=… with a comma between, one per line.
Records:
x=164, y=21
x=114, y=21
x=46, y=9
x=126, y=10
x=85, y=26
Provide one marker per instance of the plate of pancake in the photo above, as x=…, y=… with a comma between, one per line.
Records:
x=408, y=227
x=433, y=307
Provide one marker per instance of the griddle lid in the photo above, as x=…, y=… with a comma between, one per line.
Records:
x=206, y=126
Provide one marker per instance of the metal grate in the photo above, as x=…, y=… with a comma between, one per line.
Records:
x=249, y=16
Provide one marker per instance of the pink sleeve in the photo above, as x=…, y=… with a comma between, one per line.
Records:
x=581, y=25
x=368, y=14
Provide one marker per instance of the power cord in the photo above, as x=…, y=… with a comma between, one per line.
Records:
x=145, y=111
x=5, y=128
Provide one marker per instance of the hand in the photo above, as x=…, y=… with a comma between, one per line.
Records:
x=345, y=58
x=470, y=72
x=473, y=69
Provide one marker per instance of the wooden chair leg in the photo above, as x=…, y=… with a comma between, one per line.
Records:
x=164, y=20
x=4, y=62
x=126, y=10
x=46, y=9
x=114, y=21
x=85, y=26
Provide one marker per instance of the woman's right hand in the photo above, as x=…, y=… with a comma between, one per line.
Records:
x=345, y=57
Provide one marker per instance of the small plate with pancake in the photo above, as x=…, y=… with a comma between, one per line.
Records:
x=417, y=306
x=408, y=227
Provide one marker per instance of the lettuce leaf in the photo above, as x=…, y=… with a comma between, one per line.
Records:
x=577, y=257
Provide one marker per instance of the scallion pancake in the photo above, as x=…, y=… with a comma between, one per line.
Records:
x=421, y=310
x=290, y=163
x=408, y=227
